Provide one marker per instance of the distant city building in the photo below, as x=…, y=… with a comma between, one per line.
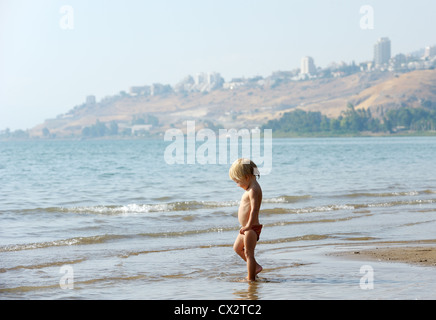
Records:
x=382, y=51
x=90, y=100
x=399, y=60
x=308, y=66
x=140, y=90
x=160, y=89
x=141, y=129
x=430, y=51
x=201, y=82
x=214, y=79
x=185, y=85
x=200, y=78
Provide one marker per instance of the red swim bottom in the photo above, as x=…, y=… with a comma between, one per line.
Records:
x=257, y=228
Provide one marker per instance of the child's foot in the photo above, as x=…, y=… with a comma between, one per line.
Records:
x=258, y=268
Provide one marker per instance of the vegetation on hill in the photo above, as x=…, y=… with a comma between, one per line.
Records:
x=352, y=121
x=417, y=119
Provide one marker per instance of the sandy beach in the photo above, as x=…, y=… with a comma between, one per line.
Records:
x=418, y=253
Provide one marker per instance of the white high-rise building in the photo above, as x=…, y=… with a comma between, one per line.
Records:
x=382, y=51
x=307, y=66
x=430, y=51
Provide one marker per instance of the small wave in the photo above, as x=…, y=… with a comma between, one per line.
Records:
x=325, y=208
x=28, y=288
x=191, y=206
x=115, y=210
x=287, y=199
x=106, y=238
x=77, y=284
x=429, y=191
x=59, y=243
x=171, y=234
x=351, y=206
x=135, y=208
x=381, y=194
x=308, y=237
x=44, y=265
x=395, y=203
x=148, y=208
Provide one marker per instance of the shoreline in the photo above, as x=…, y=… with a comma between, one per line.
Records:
x=421, y=253
x=158, y=136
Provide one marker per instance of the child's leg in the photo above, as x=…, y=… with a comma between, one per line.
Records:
x=250, y=240
x=238, y=246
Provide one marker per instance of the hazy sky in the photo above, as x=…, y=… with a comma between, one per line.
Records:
x=46, y=68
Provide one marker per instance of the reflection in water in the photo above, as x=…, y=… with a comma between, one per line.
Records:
x=251, y=292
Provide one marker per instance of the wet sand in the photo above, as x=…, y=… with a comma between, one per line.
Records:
x=412, y=253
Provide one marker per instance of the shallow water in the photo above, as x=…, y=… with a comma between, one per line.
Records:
x=112, y=220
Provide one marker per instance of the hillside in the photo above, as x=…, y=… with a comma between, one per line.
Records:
x=252, y=106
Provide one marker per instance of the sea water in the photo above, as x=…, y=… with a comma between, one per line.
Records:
x=111, y=219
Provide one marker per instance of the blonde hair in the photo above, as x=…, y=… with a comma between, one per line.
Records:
x=242, y=168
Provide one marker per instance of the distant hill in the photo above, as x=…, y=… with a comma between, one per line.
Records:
x=249, y=106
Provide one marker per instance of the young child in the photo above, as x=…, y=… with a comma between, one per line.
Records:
x=244, y=172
